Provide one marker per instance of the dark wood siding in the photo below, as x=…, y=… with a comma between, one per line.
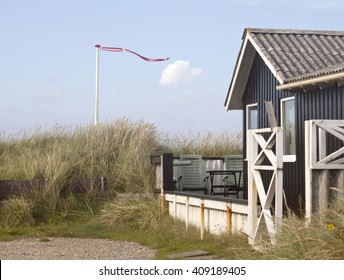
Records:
x=261, y=87
x=317, y=104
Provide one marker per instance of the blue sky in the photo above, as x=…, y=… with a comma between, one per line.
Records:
x=47, y=64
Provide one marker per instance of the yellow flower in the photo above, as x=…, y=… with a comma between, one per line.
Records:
x=330, y=226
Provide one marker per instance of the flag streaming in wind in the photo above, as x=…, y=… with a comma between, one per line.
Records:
x=113, y=49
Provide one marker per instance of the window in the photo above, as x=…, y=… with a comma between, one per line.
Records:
x=252, y=116
x=288, y=124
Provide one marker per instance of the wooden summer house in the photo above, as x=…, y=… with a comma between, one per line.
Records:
x=301, y=73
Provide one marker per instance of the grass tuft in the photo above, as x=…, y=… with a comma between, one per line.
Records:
x=16, y=212
x=131, y=211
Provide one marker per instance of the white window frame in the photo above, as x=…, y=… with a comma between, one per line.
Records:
x=248, y=107
x=286, y=158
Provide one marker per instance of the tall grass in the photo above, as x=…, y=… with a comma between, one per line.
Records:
x=320, y=238
x=75, y=158
x=206, y=145
x=72, y=157
x=118, y=151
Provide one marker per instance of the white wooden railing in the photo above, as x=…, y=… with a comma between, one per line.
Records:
x=317, y=157
x=262, y=157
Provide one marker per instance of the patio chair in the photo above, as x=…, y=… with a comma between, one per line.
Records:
x=191, y=175
x=233, y=183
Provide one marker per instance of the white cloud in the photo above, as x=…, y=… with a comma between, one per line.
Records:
x=178, y=71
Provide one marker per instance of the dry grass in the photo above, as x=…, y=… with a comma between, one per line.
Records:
x=119, y=151
x=77, y=157
x=131, y=211
x=16, y=212
x=321, y=238
x=205, y=145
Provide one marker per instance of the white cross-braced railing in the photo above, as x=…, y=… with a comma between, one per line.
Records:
x=265, y=155
x=316, y=154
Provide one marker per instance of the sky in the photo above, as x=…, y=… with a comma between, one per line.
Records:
x=48, y=59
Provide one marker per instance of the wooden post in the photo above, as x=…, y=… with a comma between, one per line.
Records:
x=324, y=174
x=322, y=144
x=175, y=206
x=229, y=218
x=167, y=172
x=324, y=183
x=271, y=114
x=202, y=219
x=163, y=206
x=279, y=177
x=187, y=200
x=308, y=170
x=252, y=152
x=340, y=183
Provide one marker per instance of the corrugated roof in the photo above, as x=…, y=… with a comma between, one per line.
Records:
x=301, y=54
x=297, y=58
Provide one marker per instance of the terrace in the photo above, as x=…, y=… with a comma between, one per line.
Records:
x=217, y=211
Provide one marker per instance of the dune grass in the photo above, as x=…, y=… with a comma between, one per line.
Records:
x=77, y=157
x=209, y=144
x=69, y=158
x=118, y=151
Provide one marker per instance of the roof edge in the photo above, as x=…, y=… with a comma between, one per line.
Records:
x=246, y=46
x=293, y=31
x=329, y=78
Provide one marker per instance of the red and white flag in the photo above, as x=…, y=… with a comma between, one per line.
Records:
x=114, y=49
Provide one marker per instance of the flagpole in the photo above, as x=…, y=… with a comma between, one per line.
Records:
x=96, y=109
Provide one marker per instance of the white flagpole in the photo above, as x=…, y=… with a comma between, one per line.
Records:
x=96, y=109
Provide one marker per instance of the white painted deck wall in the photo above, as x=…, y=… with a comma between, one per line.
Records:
x=216, y=220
